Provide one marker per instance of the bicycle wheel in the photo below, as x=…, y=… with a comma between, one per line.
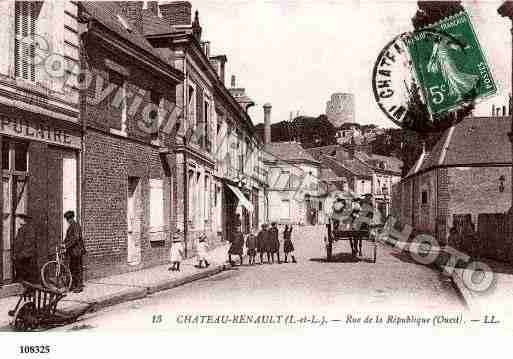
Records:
x=56, y=276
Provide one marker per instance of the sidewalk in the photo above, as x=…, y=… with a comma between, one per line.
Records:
x=493, y=300
x=130, y=286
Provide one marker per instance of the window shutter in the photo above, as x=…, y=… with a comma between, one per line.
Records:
x=199, y=116
x=156, y=220
x=25, y=13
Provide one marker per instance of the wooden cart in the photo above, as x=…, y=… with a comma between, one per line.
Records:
x=37, y=308
x=335, y=235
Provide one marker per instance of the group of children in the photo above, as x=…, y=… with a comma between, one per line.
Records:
x=177, y=252
x=266, y=241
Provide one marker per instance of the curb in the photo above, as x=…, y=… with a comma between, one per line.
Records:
x=164, y=285
x=132, y=293
x=457, y=282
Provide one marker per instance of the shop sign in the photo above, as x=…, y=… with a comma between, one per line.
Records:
x=38, y=131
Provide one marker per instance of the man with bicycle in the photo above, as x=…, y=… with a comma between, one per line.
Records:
x=75, y=250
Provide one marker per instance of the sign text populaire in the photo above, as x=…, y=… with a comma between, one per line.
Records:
x=39, y=131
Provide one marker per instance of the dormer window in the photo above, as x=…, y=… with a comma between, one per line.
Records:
x=124, y=23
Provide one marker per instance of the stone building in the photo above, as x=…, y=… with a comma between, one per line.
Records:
x=296, y=193
x=217, y=152
x=40, y=127
x=129, y=188
x=340, y=109
x=363, y=173
x=466, y=176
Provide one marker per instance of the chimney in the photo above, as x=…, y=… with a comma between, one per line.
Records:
x=233, y=83
x=133, y=12
x=205, y=46
x=152, y=8
x=267, y=120
x=177, y=12
x=219, y=62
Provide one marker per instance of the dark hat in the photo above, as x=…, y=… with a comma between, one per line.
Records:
x=23, y=215
x=69, y=214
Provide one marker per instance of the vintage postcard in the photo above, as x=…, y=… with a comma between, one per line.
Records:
x=253, y=168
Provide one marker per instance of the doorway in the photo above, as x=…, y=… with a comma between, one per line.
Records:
x=133, y=221
x=14, y=187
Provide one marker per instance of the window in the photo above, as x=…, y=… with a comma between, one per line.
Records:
x=206, y=193
x=206, y=124
x=192, y=107
x=156, y=207
x=25, y=24
x=424, y=197
x=155, y=98
x=320, y=206
x=120, y=102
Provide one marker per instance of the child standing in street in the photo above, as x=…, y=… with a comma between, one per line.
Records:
x=201, y=249
x=176, y=252
x=251, y=245
x=262, y=242
x=288, y=247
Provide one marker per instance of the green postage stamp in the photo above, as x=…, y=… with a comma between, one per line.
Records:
x=449, y=64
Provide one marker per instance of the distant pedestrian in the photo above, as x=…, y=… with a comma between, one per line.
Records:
x=262, y=242
x=75, y=250
x=237, y=246
x=176, y=252
x=274, y=242
x=288, y=247
x=201, y=250
x=251, y=245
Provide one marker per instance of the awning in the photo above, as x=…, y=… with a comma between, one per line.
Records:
x=242, y=199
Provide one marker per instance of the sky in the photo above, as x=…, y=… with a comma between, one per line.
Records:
x=294, y=54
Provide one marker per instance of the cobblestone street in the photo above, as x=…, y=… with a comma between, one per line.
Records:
x=394, y=284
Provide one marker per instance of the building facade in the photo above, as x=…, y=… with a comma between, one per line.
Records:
x=129, y=191
x=40, y=127
x=217, y=152
x=454, y=183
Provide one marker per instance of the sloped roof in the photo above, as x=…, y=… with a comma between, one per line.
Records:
x=473, y=141
x=317, y=152
x=392, y=163
x=328, y=175
x=352, y=165
x=289, y=151
x=106, y=12
x=154, y=25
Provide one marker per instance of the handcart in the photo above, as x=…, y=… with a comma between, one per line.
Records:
x=37, y=309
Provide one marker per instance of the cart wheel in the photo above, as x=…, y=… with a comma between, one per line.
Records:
x=56, y=276
x=25, y=319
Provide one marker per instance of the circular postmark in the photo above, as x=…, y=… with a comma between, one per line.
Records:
x=429, y=79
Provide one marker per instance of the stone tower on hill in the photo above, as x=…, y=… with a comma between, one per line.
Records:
x=340, y=109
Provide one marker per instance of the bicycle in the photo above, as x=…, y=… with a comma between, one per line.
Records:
x=55, y=274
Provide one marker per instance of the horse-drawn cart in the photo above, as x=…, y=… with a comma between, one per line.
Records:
x=37, y=308
x=355, y=238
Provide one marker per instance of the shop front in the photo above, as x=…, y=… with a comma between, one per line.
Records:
x=40, y=179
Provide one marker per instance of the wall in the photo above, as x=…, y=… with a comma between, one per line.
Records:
x=475, y=190
x=108, y=162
